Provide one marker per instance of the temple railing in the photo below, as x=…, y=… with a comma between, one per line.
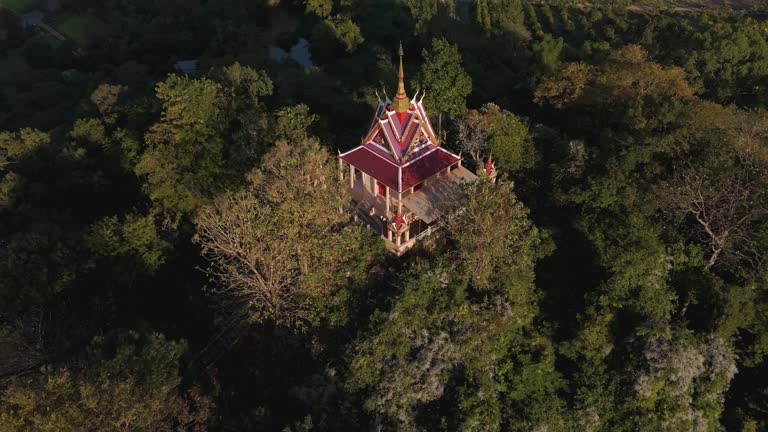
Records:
x=428, y=232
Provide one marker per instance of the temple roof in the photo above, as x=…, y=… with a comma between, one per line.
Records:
x=401, y=127
x=400, y=148
x=399, y=176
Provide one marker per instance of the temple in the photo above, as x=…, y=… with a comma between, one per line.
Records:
x=402, y=181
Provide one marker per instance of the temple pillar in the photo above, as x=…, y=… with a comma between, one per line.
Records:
x=351, y=176
x=387, y=200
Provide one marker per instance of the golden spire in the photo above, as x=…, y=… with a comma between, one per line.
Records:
x=401, y=103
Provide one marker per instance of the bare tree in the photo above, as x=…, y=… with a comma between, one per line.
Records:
x=751, y=133
x=22, y=344
x=471, y=134
x=280, y=251
x=720, y=209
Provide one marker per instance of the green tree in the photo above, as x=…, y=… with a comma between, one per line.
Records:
x=639, y=86
x=125, y=382
x=185, y=161
x=106, y=97
x=567, y=87
x=508, y=139
x=439, y=359
x=293, y=123
x=8, y=183
x=244, y=87
x=635, y=117
x=549, y=17
x=547, y=52
x=681, y=383
x=344, y=31
x=422, y=12
x=188, y=158
x=443, y=79
x=508, y=16
x=482, y=16
x=494, y=131
x=14, y=147
x=89, y=132
x=500, y=245
x=533, y=20
x=565, y=18
x=34, y=266
x=133, y=240
x=321, y=8
x=727, y=60
x=260, y=130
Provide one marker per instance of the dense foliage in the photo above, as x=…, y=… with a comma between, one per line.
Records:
x=177, y=252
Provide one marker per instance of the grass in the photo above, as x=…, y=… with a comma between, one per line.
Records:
x=18, y=6
x=84, y=30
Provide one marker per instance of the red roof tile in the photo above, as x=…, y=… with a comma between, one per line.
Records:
x=427, y=166
x=373, y=163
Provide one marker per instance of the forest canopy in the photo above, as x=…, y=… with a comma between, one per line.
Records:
x=178, y=251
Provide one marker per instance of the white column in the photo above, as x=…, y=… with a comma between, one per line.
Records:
x=387, y=199
x=351, y=176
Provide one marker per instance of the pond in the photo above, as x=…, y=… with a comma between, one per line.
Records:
x=299, y=53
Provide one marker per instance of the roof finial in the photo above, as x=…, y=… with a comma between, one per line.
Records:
x=401, y=103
